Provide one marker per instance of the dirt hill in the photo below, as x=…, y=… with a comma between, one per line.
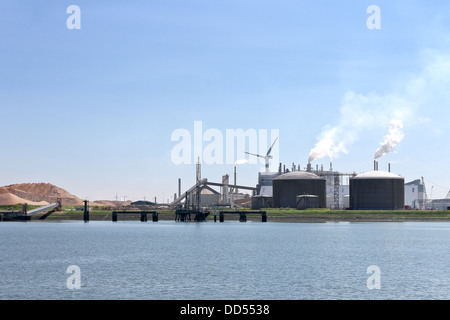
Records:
x=38, y=192
x=10, y=199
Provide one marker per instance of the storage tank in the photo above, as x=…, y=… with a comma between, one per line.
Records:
x=307, y=201
x=346, y=201
x=261, y=201
x=288, y=186
x=377, y=190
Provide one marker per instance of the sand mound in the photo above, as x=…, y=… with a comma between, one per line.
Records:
x=111, y=203
x=38, y=192
x=10, y=199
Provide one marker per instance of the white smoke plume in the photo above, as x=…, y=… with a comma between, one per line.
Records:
x=241, y=161
x=359, y=113
x=364, y=112
x=394, y=136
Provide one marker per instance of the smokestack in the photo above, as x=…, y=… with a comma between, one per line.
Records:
x=308, y=167
x=179, y=187
x=225, y=188
x=331, y=166
x=374, y=165
x=389, y=167
x=235, y=189
x=198, y=171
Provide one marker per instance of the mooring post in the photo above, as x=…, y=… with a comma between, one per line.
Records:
x=144, y=217
x=242, y=217
x=221, y=218
x=263, y=217
x=155, y=216
x=86, y=211
x=114, y=216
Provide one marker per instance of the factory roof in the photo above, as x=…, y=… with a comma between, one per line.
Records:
x=298, y=175
x=208, y=190
x=377, y=175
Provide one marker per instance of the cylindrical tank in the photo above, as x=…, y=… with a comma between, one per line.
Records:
x=346, y=200
x=288, y=186
x=260, y=201
x=377, y=190
x=307, y=201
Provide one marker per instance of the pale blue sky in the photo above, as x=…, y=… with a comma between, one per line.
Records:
x=93, y=110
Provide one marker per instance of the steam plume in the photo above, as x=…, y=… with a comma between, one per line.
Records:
x=359, y=113
x=241, y=161
x=394, y=136
x=363, y=112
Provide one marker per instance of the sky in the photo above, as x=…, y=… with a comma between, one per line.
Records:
x=100, y=110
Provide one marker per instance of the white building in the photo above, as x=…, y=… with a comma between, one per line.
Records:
x=415, y=194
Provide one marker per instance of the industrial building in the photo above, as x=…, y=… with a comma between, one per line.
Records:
x=208, y=196
x=438, y=204
x=265, y=186
x=415, y=194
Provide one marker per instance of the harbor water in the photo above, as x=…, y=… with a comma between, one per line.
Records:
x=170, y=260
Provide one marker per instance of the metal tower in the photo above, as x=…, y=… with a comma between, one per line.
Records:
x=198, y=178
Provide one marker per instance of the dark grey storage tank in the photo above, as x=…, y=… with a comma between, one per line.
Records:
x=307, y=201
x=288, y=186
x=377, y=190
x=260, y=201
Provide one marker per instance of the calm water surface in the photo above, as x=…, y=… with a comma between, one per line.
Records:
x=230, y=260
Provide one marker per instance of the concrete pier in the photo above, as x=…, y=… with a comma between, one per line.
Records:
x=143, y=215
x=243, y=215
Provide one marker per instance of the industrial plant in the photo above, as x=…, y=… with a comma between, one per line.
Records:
x=287, y=188
x=311, y=188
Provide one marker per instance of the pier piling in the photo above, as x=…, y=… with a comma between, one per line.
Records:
x=86, y=211
x=243, y=215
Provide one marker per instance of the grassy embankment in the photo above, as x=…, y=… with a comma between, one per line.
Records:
x=279, y=215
